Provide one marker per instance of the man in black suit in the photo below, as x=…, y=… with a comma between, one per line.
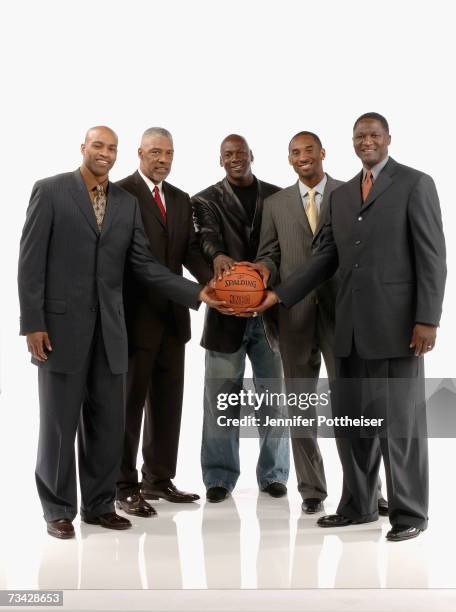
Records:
x=228, y=220
x=157, y=332
x=79, y=232
x=385, y=238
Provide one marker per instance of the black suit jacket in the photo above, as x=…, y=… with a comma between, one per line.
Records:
x=69, y=271
x=390, y=253
x=174, y=245
x=223, y=227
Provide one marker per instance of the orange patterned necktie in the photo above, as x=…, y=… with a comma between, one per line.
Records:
x=367, y=184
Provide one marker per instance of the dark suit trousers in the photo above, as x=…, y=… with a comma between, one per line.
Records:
x=394, y=390
x=155, y=385
x=91, y=403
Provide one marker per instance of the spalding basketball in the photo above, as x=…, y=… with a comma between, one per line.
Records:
x=242, y=288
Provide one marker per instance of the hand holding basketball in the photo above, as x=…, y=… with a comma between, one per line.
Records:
x=241, y=288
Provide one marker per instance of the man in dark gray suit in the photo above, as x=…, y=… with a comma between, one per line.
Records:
x=292, y=218
x=384, y=236
x=79, y=232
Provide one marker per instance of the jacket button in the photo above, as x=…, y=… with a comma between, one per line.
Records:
x=356, y=265
x=360, y=218
x=93, y=309
x=358, y=242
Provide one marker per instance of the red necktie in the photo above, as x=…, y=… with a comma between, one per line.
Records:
x=367, y=185
x=159, y=203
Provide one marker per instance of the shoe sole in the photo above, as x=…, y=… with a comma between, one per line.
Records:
x=403, y=539
x=116, y=528
x=141, y=514
x=61, y=536
x=168, y=499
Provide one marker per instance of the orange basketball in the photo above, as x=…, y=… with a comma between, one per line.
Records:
x=242, y=288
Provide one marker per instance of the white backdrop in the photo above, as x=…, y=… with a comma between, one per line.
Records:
x=204, y=69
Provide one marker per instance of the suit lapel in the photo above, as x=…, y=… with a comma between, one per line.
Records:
x=172, y=211
x=382, y=183
x=81, y=197
x=111, y=208
x=324, y=206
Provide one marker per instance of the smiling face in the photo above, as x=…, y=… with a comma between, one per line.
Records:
x=99, y=151
x=156, y=154
x=236, y=158
x=306, y=156
x=371, y=141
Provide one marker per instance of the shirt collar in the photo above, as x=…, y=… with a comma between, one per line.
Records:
x=91, y=181
x=150, y=183
x=376, y=169
x=319, y=188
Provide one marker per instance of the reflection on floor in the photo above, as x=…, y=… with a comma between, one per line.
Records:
x=249, y=541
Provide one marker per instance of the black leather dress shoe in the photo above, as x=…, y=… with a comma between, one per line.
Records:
x=136, y=505
x=276, y=489
x=334, y=520
x=216, y=494
x=109, y=520
x=169, y=492
x=382, y=506
x=61, y=528
x=312, y=505
x=398, y=533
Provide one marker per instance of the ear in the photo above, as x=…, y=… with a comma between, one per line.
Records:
x=221, y=161
x=289, y=160
x=322, y=154
x=251, y=156
x=389, y=139
x=83, y=148
x=140, y=153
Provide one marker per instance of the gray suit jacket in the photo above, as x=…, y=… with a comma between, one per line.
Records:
x=70, y=273
x=285, y=244
x=390, y=255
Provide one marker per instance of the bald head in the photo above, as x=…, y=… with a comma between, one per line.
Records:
x=99, y=151
x=236, y=157
x=100, y=131
x=235, y=138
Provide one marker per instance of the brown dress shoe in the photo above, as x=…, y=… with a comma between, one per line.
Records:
x=136, y=505
x=61, y=528
x=109, y=520
x=170, y=492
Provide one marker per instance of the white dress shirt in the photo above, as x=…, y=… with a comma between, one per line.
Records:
x=152, y=186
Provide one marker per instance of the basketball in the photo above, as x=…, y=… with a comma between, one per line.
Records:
x=243, y=288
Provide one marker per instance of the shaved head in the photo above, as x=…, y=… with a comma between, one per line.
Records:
x=99, y=150
x=94, y=133
x=234, y=138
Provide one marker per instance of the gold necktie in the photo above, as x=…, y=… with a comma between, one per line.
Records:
x=312, y=210
x=99, y=205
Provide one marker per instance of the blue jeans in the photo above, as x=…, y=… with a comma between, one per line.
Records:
x=220, y=449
